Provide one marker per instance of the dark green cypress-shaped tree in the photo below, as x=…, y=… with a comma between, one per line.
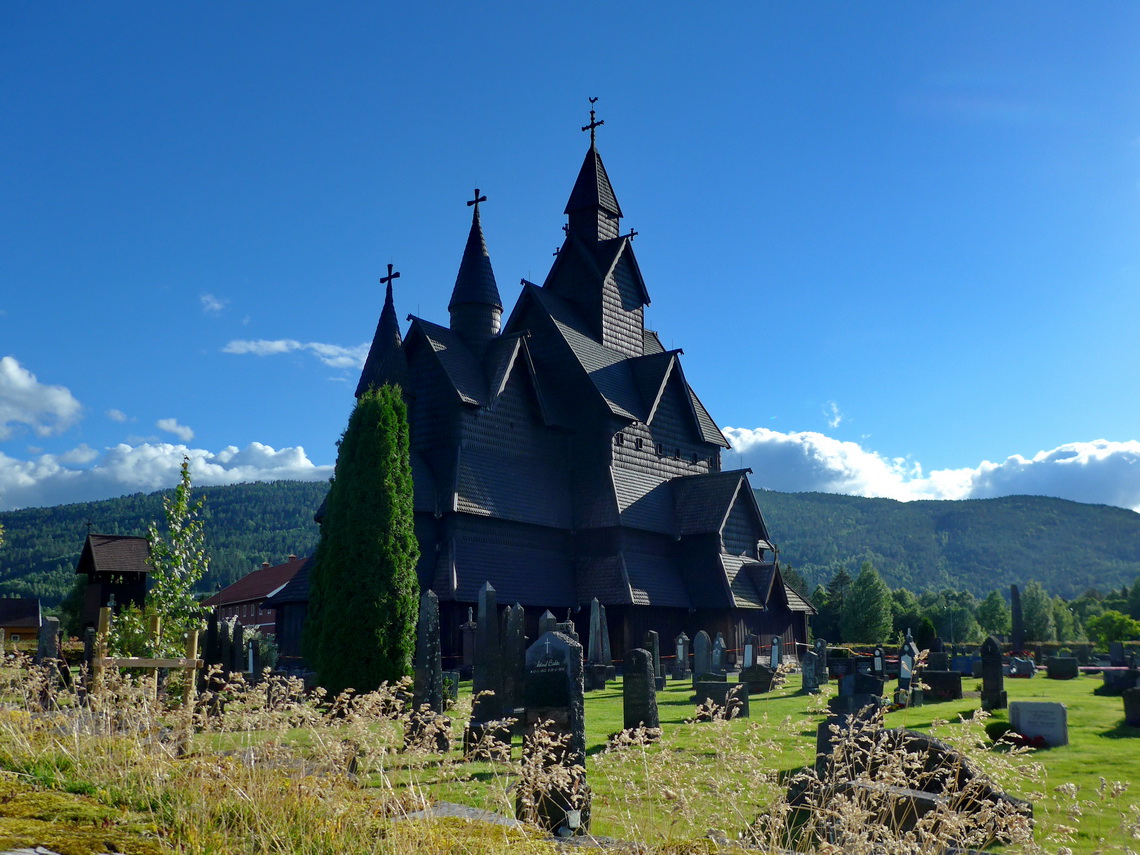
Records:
x=363, y=591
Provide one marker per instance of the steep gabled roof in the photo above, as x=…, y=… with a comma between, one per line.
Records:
x=615, y=250
x=505, y=355
x=703, y=502
x=296, y=590
x=797, y=602
x=257, y=585
x=20, y=612
x=462, y=367
x=114, y=553
x=650, y=373
x=592, y=189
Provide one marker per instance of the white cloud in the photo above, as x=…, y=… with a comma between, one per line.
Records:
x=171, y=426
x=1098, y=472
x=833, y=415
x=26, y=401
x=333, y=355
x=116, y=415
x=212, y=304
x=59, y=479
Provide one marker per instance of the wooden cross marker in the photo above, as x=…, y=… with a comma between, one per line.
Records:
x=594, y=125
x=387, y=280
x=476, y=200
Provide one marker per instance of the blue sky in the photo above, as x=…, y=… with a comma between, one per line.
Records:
x=898, y=242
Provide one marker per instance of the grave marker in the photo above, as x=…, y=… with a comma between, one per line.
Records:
x=994, y=696
x=702, y=656
x=428, y=724
x=1046, y=719
x=809, y=667
x=681, y=665
x=639, y=691
x=777, y=655
x=718, y=654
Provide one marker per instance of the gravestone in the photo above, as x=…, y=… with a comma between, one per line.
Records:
x=485, y=737
x=1021, y=667
x=943, y=685
x=567, y=627
x=809, y=667
x=467, y=635
x=909, y=693
x=547, y=623
x=702, y=656
x=598, y=663
x=681, y=664
x=47, y=644
x=994, y=696
x=718, y=654
x=750, y=647
x=879, y=663
x=639, y=691
x=731, y=699
x=237, y=647
x=514, y=657
x=653, y=645
x=595, y=656
x=1046, y=719
x=937, y=659
x=821, y=667
x=555, y=709
x=1017, y=620
x=451, y=681
x=1062, y=668
x=1131, y=706
x=428, y=726
x=776, y=657
x=1116, y=655
x=607, y=652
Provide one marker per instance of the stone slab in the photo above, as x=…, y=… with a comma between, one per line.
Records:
x=1047, y=719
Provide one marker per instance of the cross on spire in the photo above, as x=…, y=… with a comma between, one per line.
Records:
x=594, y=124
x=387, y=280
x=476, y=200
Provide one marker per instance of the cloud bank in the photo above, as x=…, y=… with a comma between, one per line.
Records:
x=24, y=401
x=1096, y=472
x=84, y=475
x=333, y=355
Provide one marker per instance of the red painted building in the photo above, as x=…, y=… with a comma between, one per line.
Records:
x=244, y=598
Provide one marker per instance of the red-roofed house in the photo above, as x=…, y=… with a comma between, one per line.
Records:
x=243, y=599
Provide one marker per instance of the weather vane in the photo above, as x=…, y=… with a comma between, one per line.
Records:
x=594, y=124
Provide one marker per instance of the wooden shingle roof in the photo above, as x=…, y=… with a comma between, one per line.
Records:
x=475, y=282
x=592, y=189
x=20, y=612
x=114, y=553
x=463, y=369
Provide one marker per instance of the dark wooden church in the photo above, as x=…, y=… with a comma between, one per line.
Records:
x=561, y=454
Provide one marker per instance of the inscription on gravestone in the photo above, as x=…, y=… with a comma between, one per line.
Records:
x=1048, y=720
x=718, y=651
x=681, y=666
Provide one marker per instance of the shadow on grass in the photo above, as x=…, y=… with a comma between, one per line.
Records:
x=1122, y=731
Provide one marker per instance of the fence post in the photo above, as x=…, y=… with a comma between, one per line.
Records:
x=154, y=629
x=100, y=649
x=192, y=677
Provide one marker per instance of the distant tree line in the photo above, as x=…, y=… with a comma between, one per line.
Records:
x=863, y=609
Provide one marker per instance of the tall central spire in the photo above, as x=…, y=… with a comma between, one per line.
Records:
x=593, y=208
x=475, y=307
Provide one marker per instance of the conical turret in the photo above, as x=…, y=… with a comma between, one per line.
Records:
x=475, y=308
x=593, y=208
x=386, y=362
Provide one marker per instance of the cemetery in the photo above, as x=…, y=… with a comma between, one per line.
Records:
x=525, y=755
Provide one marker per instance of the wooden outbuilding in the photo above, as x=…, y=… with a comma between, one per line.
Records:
x=116, y=566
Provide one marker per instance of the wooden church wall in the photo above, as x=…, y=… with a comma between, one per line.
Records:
x=740, y=532
x=623, y=318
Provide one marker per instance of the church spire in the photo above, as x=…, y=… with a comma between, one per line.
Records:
x=593, y=208
x=475, y=307
x=386, y=356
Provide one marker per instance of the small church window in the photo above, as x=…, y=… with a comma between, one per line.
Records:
x=660, y=450
x=620, y=439
x=695, y=457
x=640, y=443
x=676, y=454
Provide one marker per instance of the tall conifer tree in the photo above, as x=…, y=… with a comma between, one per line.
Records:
x=363, y=594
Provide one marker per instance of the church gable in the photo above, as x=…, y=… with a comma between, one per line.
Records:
x=623, y=315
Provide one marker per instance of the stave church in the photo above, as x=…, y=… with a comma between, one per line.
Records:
x=560, y=454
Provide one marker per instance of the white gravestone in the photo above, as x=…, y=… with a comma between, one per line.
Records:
x=1049, y=720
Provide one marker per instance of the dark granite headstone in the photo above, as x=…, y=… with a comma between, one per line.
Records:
x=47, y=644
x=809, y=668
x=702, y=656
x=681, y=651
x=719, y=649
x=821, y=667
x=481, y=738
x=1116, y=656
x=758, y=678
x=1131, y=706
x=653, y=645
x=428, y=726
x=994, y=696
x=451, y=681
x=943, y=685
x=1062, y=668
x=1017, y=633
x=597, y=628
x=467, y=634
x=909, y=692
x=567, y=627
x=730, y=699
x=237, y=648
x=879, y=663
x=607, y=651
x=554, y=706
x=514, y=657
x=639, y=690
x=1021, y=667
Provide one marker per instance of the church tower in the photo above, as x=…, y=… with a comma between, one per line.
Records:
x=593, y=208
x=475, y=308
x=386, y=362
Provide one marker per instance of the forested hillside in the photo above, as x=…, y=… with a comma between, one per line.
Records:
x=976, y=545
x=245, y=525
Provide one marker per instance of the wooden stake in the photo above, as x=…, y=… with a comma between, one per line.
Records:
x=191, y=673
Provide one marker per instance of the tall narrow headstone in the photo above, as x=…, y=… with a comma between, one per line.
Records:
x=47, y=645
x=639, y=690
x=428, y=723
x=480, y=738
x=751, y=645
x=607, y=652
x=1017, y=633
x=702, y=656
x=237, y=647
x=879, y=663
x=467, y=635
x=514, y=657
x=595, y=655
x=718, y=651
x=993, y=677
x=776, y=656
x=554, y=706
x=546, y=623
x=821, y=667
x=653, y=645
x=809, y=667
x=681, y=669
